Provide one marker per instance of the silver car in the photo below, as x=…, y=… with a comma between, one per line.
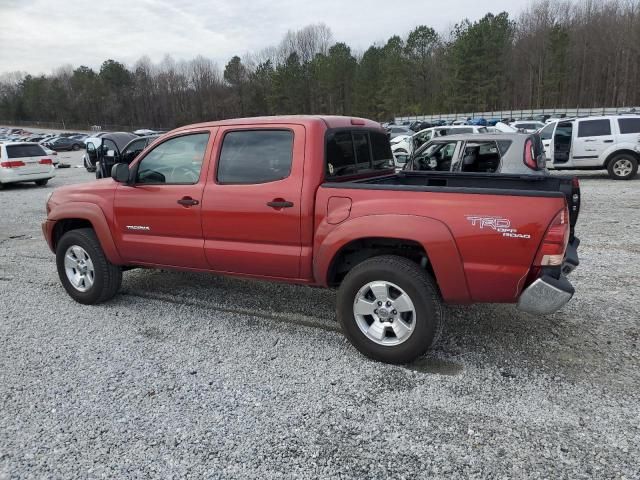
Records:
x=506, y=153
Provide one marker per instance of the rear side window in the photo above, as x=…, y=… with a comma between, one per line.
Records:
x=503, y=146
x=356, y=152
x=594, y=128
x=255, y=156
x=629, y=125
x=21, y=151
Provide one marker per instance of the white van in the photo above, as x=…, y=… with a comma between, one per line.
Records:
x=24, y=162
x=609, y=143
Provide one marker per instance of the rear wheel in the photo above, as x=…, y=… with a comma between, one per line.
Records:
x=86, y=274
x=389, y=309
x=623, y=166
x=42, y=183
x=75, y=147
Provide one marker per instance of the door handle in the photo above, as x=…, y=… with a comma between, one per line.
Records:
x=279, y=203
x=607, y=141
x=188, y=202
x=589, y=140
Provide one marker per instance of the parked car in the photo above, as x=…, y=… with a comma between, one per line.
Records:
x=609, y=143
x=528, y=126
x=112, y=151
x=64, y=143
x=24, y=162
x=104, y=150
x=420, y=125
x=404, y=145
x=397, y=130
x=315, y=201
x=495, y=153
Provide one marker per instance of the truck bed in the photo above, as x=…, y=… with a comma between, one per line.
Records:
x=476, y=183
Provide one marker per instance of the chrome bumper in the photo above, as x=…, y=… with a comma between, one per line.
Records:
x=546, y=295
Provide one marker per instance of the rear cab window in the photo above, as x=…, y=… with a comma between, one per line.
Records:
x=357, y=152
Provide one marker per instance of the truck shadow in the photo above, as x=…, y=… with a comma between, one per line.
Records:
x=497, y=336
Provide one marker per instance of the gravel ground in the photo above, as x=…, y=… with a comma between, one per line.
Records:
x=187, y=375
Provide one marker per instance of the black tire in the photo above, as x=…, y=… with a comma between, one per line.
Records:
x=107, y=278
x=628, y=158
x=423, y=293
x=75, y=147
x=42, y=183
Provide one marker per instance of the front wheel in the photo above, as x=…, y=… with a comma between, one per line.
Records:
x=390, y=309
x=42, y=183
x=623, y=166
x=85, y=273
x=75, y=147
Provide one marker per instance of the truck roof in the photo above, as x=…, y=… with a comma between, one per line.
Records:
x=330, y=121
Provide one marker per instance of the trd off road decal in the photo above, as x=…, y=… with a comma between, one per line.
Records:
x=499, y=224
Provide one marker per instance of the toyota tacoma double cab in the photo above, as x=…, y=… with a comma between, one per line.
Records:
x=316, y=201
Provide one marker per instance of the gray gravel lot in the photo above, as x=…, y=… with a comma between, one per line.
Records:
x=190, y=375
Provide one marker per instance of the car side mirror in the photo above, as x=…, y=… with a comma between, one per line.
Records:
x=120, y=173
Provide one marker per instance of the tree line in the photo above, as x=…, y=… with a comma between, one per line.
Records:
x=555, y=54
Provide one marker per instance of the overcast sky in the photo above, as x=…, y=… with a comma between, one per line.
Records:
x=38, y=35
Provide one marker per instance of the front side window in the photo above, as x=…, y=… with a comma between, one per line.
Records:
x=547, y=132
x=629, y=125
x=178, y=161
x=255, y=156
x=435, y=157
x=594, y=128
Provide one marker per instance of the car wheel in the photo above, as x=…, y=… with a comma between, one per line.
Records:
x=390, y=309
x=75, y=147
x=86, y=274
x=42, y=183
x=623, y=166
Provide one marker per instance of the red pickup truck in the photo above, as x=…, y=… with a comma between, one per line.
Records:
x=315, y=200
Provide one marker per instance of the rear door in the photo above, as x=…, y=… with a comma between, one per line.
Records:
x=251, y=203
x=593, y=137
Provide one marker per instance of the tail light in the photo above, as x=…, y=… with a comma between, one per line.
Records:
x=554, y=243
x=13, y=164
x=529, y=155
x=46, y=161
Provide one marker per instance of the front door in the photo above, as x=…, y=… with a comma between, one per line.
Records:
x=158, y=217
x=593, y=138
x=546, y=135
x=251, y=207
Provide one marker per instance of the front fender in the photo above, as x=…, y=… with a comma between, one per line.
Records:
x=433, y=235
x=83, y=211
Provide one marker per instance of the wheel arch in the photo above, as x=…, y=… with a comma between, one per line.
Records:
x=81, y=215
x=424, y=240
x=613, y=154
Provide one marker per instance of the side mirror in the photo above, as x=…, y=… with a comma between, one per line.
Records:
x=120, y=173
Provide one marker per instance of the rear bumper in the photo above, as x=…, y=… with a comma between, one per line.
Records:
x=549, y=294
x=546, y=295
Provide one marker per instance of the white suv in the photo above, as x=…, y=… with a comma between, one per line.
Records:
x=609, y=143
x=24, y=162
